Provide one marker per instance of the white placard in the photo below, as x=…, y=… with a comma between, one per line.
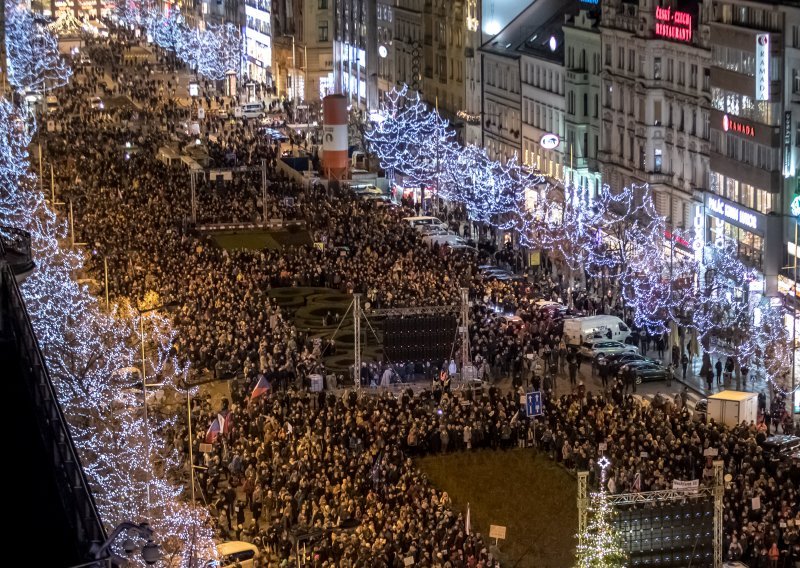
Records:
x=711, y=452
x=756, y=503
x=496, y=531
x=690, y=486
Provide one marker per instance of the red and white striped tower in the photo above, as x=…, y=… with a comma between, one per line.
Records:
x=334, y=137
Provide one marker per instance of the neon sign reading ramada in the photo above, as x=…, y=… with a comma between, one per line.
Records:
x=673, y=25
x=730, y=125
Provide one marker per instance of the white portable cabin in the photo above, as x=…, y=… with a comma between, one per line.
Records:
x=731, y=407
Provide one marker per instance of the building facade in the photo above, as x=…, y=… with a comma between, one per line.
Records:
x=582, y=82
x=655, y=94
x=257, y=39
x=387, y=54
x=753, y=122
x=545, y=147
x=355, y=51
x=522, y=70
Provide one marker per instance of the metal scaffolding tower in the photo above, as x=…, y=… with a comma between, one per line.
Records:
x=583, y=502
x=466, y=360
x=357, y=340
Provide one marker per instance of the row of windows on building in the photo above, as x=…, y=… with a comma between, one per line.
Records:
x=259, y=25
x=744, y=106
x=503, y=77
x=748, y=16
x=746, y=151
x=580, y=63
x=672, y=114
x=261, y=5
x=543, y=78
x=665, y=69
x=544, y=117
x=742, y=193
x=448, y=67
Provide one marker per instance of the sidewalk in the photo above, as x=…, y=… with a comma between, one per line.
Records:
x=697, y=383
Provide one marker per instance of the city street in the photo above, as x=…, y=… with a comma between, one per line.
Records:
x=325, y=321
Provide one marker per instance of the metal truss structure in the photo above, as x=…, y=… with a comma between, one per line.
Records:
x=416, y=311
x=714, y=492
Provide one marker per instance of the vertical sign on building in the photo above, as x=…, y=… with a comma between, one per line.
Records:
x=787, y=144
x=762, y=67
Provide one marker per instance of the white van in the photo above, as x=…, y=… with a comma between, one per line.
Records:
x=234, y=553
x=422, y=221
x=253, y=110
x=578, y=330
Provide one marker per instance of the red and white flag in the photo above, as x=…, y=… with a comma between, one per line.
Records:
x=213, y=431
x=262, y=387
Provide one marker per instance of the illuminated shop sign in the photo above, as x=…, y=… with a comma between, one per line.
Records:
x=762, y=67
x=731, y=212
x=731, y=125
x=673, y=25
x=549, y=141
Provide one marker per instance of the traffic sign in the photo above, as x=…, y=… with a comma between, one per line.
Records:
x=533, y=403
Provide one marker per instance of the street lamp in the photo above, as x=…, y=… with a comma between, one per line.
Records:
x=95, y=252
x=145, y=385
x=150, y=551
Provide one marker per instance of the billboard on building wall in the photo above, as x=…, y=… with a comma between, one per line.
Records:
x=762, y=67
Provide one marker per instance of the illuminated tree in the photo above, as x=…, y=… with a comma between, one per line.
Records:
x=600, y=545
x=662, y=286
x=772, y=346
x=34, y=62
x=560, y=224
x=166, y=31
x=92, y=357
x=722, y=307
x=628, y=236
x=411, y=139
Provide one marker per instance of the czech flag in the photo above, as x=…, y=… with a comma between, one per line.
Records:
x=225, y=422
x=262, y=387
x=213, y=431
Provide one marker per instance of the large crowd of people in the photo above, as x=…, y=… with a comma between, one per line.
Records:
x=330, y=476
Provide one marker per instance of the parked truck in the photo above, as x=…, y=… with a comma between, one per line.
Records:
x=731, y=407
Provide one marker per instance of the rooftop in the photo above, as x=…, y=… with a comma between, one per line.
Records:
x=536, y=31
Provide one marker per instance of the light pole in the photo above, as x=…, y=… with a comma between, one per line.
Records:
x=294, y=80
x=95, y=252
x=145, y=385
x=191, y=439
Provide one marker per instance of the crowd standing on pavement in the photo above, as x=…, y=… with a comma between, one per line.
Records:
x=334, y=472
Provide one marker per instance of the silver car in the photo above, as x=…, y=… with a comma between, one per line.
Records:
x=592, y=349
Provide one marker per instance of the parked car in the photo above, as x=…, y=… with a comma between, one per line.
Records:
x=366, y=189
x=647, y=371
x=428, y=230
x=700, y=410
x=96, y=103
x=235, y=553
x=780, y=447
x=616, y=361
x=592, y=349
